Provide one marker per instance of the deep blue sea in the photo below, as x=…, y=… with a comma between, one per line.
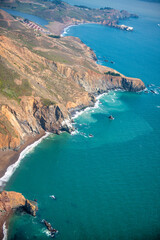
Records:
x=106, y=187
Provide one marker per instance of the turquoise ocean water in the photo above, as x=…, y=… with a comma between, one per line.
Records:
x=106, y=187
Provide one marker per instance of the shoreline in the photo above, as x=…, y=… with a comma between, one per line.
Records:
x=67, y=27
x=5, y=231
x=16, y=158
x=60, y=28
x=11, y=159
x=79, y=112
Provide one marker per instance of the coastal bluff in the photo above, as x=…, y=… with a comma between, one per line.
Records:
x=42, y=80
x=11, y=202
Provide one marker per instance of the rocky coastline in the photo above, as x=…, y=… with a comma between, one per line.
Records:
x=10, y=202
x=55, y=78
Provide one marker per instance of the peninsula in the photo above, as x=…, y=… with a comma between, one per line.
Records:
x=60, y=14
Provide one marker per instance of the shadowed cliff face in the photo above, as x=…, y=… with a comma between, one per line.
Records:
x=28, y=118
x=41, y=78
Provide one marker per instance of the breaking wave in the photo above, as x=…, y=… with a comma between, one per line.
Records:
x=11, y=169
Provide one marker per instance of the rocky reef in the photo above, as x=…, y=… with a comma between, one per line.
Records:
x=11, y=202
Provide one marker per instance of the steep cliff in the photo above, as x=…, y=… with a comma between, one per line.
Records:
x=30, y=117
x=11, y=202
x=41, y=78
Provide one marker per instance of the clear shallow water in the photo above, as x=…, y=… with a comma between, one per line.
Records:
x=107, y=187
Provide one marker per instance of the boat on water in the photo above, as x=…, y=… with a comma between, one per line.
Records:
x=52, y=196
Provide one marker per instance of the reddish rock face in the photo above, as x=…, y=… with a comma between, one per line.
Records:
x=12, y=201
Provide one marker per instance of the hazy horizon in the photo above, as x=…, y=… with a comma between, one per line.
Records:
x=136, y=6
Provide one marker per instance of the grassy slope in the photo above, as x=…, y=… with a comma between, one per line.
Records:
x=28, y=63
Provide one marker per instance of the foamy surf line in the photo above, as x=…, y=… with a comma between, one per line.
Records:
x=66, y=30
x=97, y=103
x=4, y=231
x=11, y=169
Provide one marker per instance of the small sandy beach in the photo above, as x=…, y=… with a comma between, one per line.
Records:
x=9, y=157
x=58, y=28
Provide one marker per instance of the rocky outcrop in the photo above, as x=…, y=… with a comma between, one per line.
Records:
x=11, y=202
x=30, y=207
x=99, y=82
x=16, y=201
x=52, y=230
x=29, y=118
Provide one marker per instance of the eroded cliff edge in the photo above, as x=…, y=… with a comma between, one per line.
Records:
x=42, y=78
x=10, y=202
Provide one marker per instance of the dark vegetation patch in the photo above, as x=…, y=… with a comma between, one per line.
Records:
x=82, y=6
x=112, y=73
x=54, y=36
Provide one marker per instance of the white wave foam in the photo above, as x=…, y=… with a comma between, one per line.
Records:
x=65, y=31
x=47, y=232
x=67, y=122
x=11, y=169
x=78, y=113
x=85, y=136
x=101, y=95
x=96, y=105
x=75, y=132
x=4, y=231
